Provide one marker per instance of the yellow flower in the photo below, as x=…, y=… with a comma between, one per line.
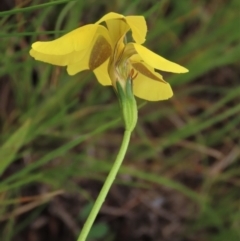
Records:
x=104, y=50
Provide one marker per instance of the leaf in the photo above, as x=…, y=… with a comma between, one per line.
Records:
x=9, y=150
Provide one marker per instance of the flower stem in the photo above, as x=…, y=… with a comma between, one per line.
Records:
x=106, y=186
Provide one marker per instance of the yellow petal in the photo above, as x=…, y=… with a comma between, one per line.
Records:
x=100, y=52
x=92, y=57
x=117, y=29
x=145, y=69
x=110, y=16
x=52, y=59
x=75, y=40
x=157, y=61
x=139, y=28
x=61, y=60
x=148, y=89
x=72, y=47
x=136, y=23
x=77, y=67
x=141, y=68
x=102, y=74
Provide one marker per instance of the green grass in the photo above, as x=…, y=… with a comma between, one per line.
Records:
x=61, y=132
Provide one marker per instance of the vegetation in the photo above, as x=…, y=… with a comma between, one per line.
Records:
x=60, y=134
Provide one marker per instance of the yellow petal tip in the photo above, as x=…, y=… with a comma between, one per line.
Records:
x=183, y=70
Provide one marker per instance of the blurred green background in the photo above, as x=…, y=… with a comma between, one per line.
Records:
x=180, y=179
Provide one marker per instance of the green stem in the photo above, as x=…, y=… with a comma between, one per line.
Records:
x=105, y=189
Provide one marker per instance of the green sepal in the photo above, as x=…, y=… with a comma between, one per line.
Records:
x=129, y=91
x=127, y=104
x=120, y=93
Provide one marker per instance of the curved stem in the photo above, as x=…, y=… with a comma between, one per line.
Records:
x=105, y=189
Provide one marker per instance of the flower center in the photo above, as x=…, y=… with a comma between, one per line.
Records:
x=123, y=67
